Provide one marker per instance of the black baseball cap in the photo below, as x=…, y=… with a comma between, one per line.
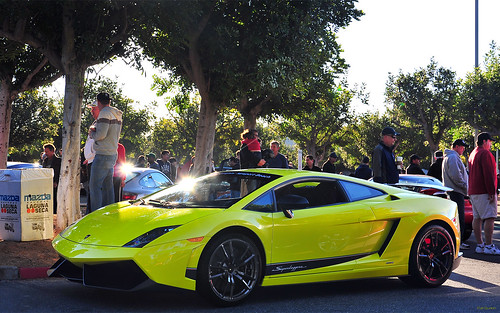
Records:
x=389, y=131
x=484, y=136
x=415, y=157
x=460, y=142
x=333, y=155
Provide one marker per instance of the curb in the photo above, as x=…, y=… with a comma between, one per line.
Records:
x=13, y=272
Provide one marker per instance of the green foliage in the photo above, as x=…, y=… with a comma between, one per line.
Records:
x=36, y=120
x=177, y=133
x=361, y=137
x=427, y=99
x=18, y=63
x=322, y=128
x=479, y=97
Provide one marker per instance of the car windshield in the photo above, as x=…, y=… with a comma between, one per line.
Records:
x=218, y=190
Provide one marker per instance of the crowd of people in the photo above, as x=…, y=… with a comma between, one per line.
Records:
x=480, y=183
x=103, y=154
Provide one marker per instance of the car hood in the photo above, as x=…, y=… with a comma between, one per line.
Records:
x=116, y=224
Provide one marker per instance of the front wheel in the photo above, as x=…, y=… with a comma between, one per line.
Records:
x=431, y=257
x=229, y=270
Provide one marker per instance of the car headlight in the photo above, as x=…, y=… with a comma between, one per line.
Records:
x=151, y=235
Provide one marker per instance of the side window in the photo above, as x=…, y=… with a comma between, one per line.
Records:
x=147, y=181
x=357, y=192
x=160, y=180
x=312, y=193
x=264, y=203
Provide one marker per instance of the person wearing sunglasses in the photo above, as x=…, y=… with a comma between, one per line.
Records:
x=384, y=166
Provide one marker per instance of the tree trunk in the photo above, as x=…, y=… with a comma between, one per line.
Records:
x=250, y=113
x=205, y=137
x=68, y=193
x=6, y=99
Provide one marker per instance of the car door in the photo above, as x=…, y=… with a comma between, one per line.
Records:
x=326, y=235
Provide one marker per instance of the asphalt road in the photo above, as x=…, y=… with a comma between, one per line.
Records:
x=473, y=287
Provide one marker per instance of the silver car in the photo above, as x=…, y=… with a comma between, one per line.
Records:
x=140, y=182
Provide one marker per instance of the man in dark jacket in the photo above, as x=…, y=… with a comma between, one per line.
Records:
x=54, y=162
x=436, y=168
x=364, y=171
x=384, y=165
x=414, y=167
x=329, y=165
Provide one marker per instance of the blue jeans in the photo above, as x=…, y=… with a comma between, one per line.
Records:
x=101, y=181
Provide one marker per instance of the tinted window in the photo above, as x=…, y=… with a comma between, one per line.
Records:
x=161, y=180
x=148, y=181
x=264, y=203
x=315, y=192
x=357, y=192
x=130, y=176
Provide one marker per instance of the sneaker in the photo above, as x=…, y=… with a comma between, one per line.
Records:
x=464, y=246
x=480, y=248
x=491, y=249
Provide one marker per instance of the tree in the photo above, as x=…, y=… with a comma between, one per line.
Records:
x=21, y=68
x=177, y=132
x=208, y=42
x=428, y=98
x=284, y=47
x=479, y=97
x=36, y=120
x=72, y=35
x=320, y=129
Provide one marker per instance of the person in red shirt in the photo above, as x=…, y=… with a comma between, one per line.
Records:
x=482, y=193
x=118, y=174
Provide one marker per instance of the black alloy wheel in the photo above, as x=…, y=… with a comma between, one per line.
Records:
x=230, y=268
x=431, y=257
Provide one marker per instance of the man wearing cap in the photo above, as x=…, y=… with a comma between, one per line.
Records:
x=436, y=168
x=152, y=161
x=414, y=167
x=384, y=165
x=106, y=133
x=455, y=176
x=482, y=193
x=363, y=170
x=329, y=165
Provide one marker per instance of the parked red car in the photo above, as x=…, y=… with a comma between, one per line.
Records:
x=434, y=187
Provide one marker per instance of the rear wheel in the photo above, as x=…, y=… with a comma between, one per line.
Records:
x=229, y=270
x=431, y=257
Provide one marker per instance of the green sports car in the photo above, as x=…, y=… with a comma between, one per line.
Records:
x=226, y=233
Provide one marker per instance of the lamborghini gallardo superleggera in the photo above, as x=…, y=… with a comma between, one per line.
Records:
x=227, y=233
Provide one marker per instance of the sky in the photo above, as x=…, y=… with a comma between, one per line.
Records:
x=392, y=36
x=402, y=35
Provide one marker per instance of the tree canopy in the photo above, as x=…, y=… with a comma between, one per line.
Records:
x=427, y=97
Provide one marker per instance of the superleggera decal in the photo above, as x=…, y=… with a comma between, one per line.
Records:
x=282, y=268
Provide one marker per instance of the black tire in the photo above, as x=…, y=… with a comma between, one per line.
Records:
x=230, y=268
x=431, y=258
